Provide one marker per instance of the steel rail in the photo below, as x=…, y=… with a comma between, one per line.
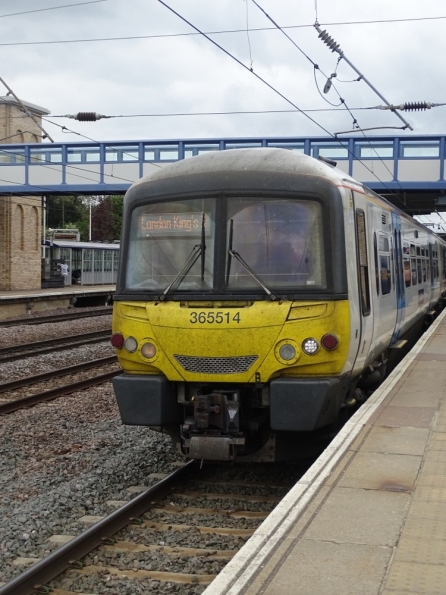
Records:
x=50, y=345
x=55, y=563
x=54, y=318
x=28, y=380
x=54, y=393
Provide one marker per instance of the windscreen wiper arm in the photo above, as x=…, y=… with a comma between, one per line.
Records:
x=237, y=256
x=191, y=260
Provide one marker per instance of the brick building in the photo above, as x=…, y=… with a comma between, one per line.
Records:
x=20, y=216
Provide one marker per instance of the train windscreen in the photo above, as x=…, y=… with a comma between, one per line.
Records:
x=281, y=241
x=172, y=244
x=273, y=243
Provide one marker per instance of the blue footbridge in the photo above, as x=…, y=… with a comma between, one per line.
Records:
x=408, y=169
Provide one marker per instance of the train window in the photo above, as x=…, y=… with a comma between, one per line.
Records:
x=384, y=263
x=385, y=274
x=413, y=270
x=375, y=253
x=406, y=264
x=172, y=243
x=282, y=241
x=419, y=271
x=407, y=276
x=363, y=263
x=392, y=262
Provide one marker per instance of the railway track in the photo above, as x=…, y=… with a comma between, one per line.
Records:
x=9, y=354
x=19, y=403
x=55, y=317
x=176, y=536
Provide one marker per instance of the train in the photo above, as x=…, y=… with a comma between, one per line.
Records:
x=261, y=295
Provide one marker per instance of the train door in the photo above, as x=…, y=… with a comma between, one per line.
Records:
x=399, y=278
x=364, y=278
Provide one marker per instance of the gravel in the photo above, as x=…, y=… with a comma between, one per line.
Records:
x=66, y=458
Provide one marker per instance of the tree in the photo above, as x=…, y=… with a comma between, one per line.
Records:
x=106, y=218
x=63, y=210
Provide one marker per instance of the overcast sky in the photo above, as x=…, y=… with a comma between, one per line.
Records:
x=188, y=74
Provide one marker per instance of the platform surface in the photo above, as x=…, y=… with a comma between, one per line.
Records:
x=56, y=291
x=369, y=517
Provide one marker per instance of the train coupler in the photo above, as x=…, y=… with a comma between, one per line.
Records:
x=212, y=431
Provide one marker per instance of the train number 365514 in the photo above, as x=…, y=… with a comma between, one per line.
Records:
x=214, y=317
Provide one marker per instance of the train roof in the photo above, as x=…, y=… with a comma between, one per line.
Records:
x=254, y=160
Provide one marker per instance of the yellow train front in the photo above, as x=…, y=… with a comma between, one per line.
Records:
x=231, y=320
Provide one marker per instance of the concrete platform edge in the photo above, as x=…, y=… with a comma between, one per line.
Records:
x=238, y=573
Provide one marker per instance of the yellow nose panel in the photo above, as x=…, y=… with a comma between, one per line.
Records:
x=228, y=341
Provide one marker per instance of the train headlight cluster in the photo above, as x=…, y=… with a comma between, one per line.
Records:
x=147, y=347
x=311, y=346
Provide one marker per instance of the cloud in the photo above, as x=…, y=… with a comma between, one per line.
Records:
x=189, y=74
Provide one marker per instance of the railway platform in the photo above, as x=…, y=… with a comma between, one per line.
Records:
x=18, y=303
x=369, y=517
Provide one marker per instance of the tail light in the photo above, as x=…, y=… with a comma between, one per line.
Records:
x=329, y=341
x=117, y=340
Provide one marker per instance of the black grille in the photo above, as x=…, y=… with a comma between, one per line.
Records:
x=216, y=365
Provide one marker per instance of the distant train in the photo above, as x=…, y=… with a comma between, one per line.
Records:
x=260, y=293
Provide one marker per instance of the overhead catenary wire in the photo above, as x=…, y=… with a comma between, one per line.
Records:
x=15, y=14
x=228, y=113
x=218, y=32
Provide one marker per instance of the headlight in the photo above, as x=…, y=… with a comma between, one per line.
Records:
x=287, y=352
x=148, y=350
x=131, y=344
x=310, y=346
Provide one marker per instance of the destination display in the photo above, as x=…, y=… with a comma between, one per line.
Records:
x=169, y=224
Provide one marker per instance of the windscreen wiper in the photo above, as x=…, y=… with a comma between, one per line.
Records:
x=237, y=256
x=191, y=260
